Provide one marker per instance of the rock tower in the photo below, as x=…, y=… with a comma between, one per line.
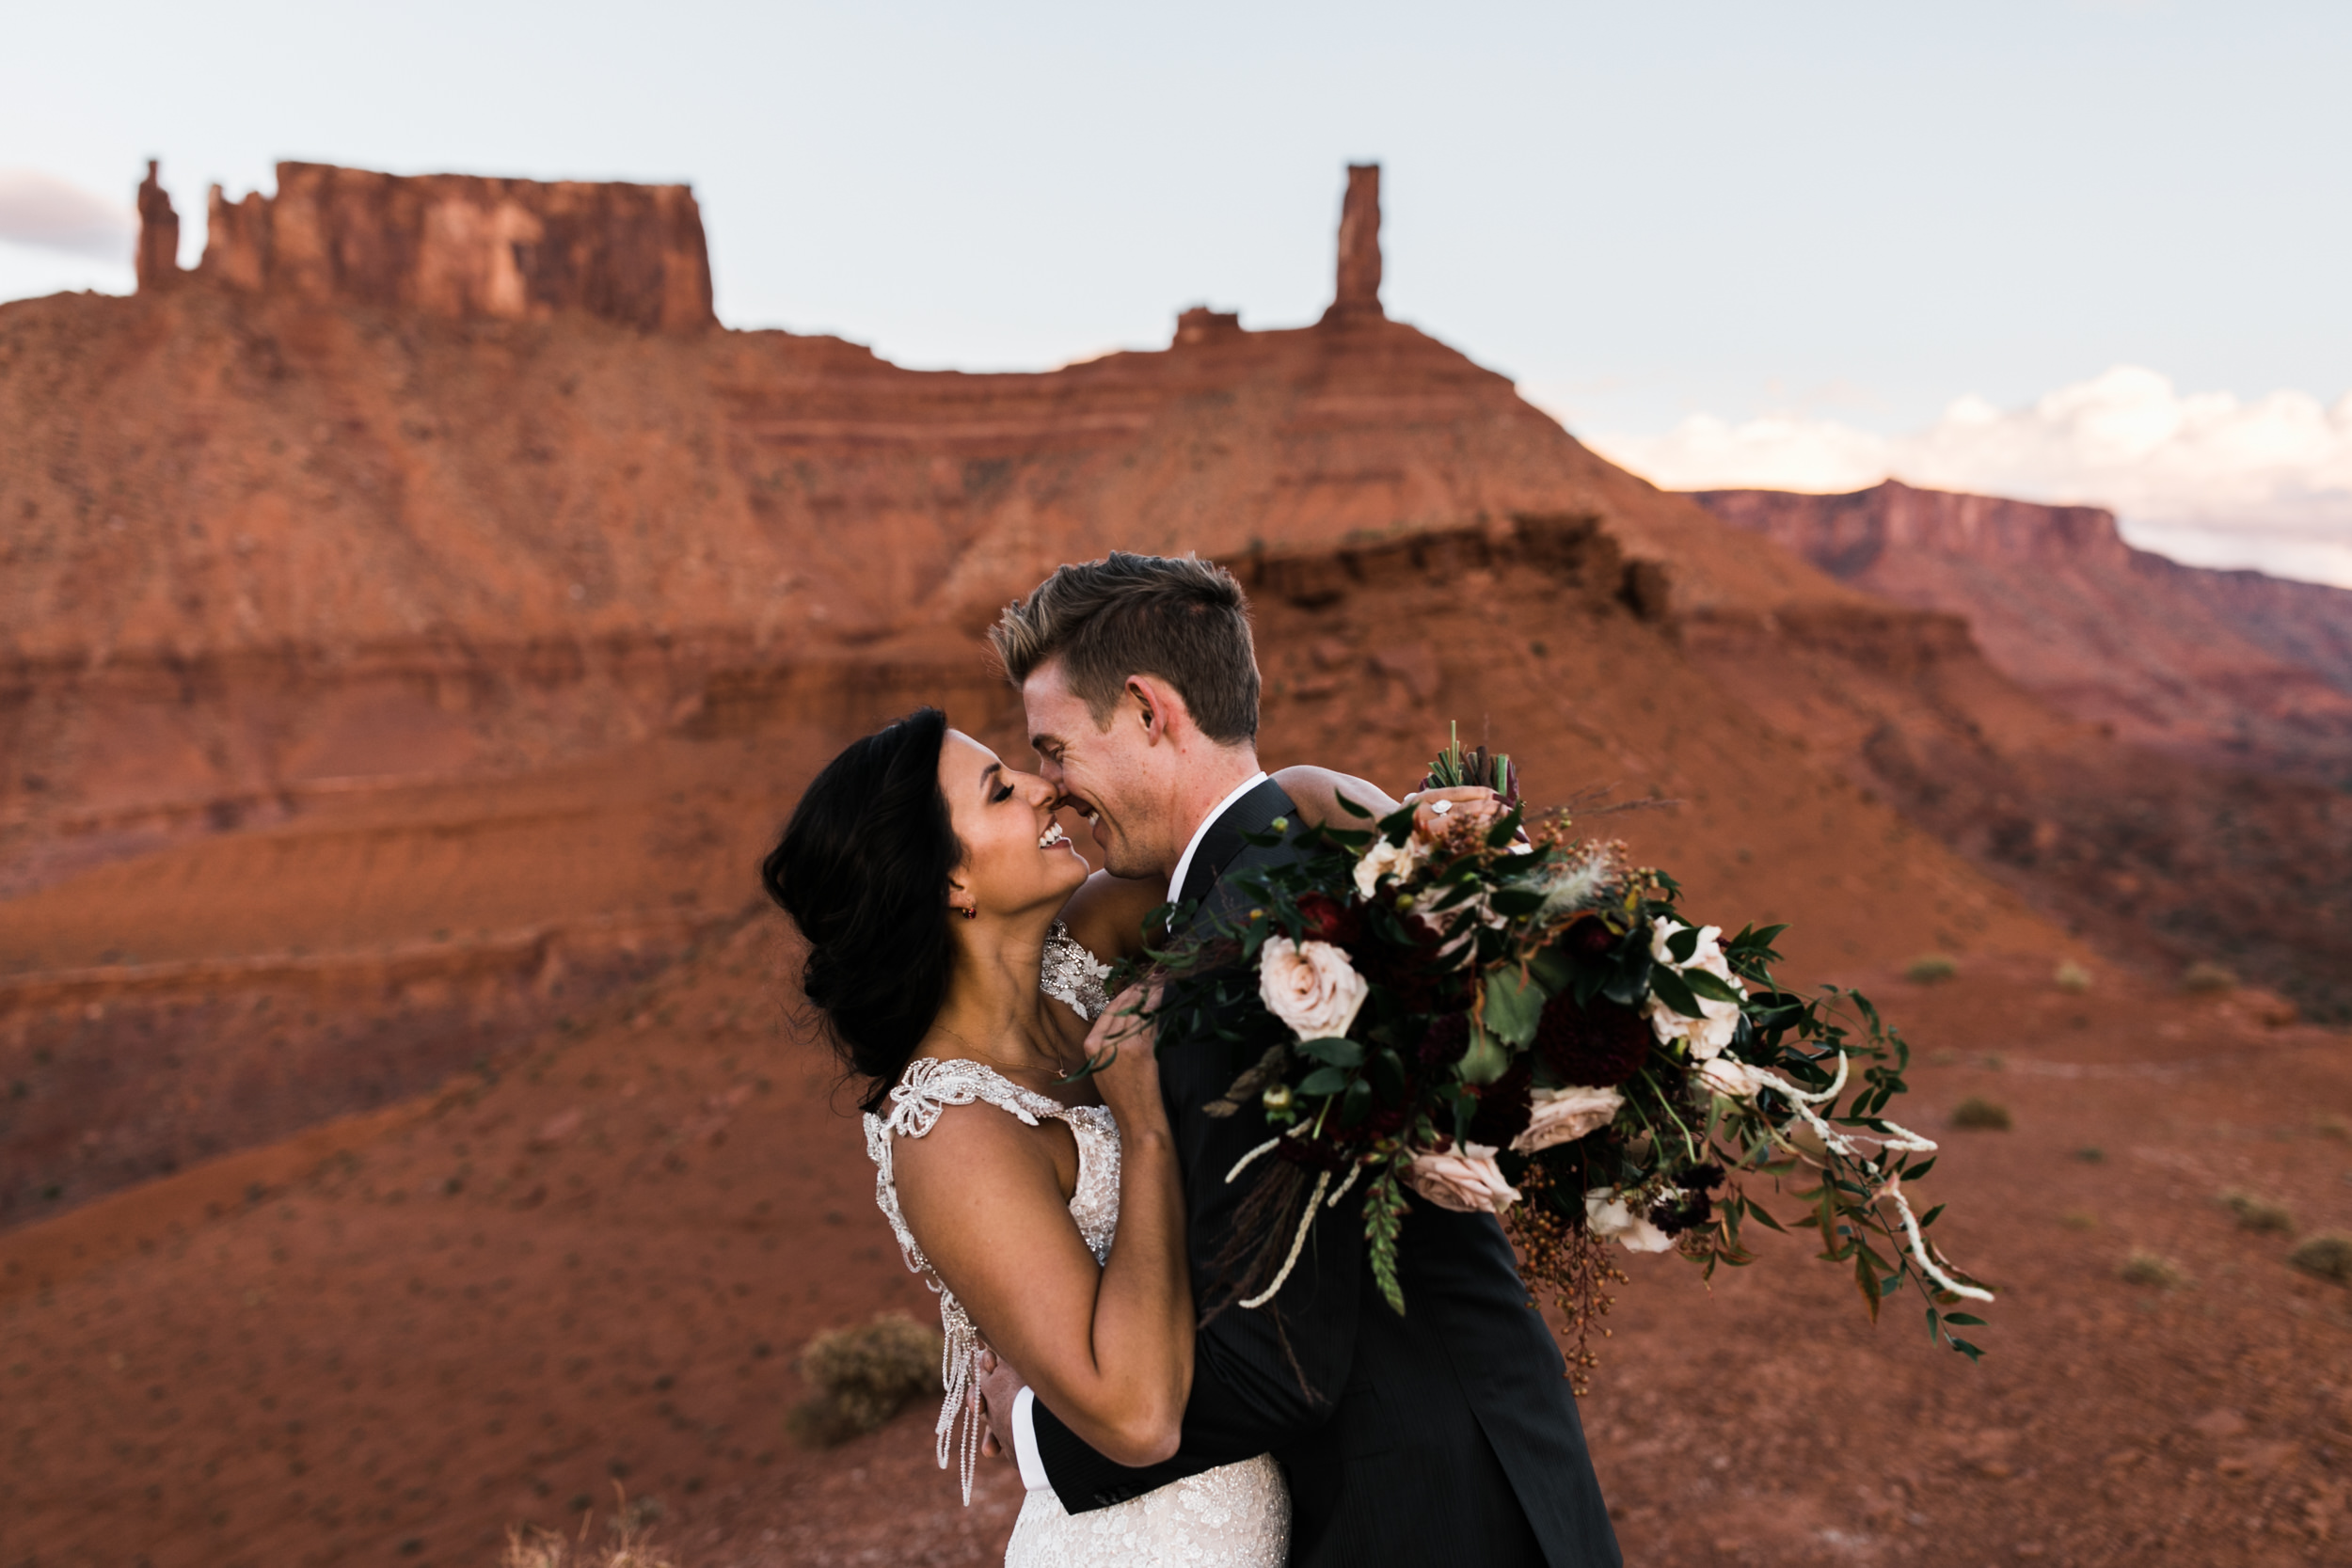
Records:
x=1360, y=244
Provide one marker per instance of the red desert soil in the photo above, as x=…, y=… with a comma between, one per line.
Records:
x=389, y=1338
x=386, y=1344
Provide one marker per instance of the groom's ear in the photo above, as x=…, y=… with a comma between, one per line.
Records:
x=1153, y=704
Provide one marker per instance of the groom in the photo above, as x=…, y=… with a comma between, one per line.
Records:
x=1447, y=1434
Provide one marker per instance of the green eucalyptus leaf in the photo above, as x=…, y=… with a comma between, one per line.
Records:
x=1334, y=1051
x=1707, y=985
x=1485, y=1060
x=1666, y=985
x=1515, y=1006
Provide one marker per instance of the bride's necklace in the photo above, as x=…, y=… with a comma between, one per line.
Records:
x=1006, y=1068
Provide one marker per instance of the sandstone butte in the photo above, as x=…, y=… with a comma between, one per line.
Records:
x=2230, y=668
x=409, y=1130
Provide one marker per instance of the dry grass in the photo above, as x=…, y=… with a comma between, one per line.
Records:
x=2328, y=1256
x=1981, y=1115
x=1930, y=968
x=863, y=1377
x=2255, y=1212
x=631, y=1545
x=2149, y=1268
x=2072, y=976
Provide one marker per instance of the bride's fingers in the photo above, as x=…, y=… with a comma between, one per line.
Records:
x=1121, y=1021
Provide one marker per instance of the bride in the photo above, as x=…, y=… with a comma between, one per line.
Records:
x=954, y=936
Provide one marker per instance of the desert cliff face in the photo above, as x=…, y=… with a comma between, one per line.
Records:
x=2221, y=667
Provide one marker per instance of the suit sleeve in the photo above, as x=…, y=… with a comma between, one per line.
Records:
x=1262, y=1376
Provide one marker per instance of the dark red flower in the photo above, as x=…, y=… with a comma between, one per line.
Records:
x=1326, y=919
x=1504, y=1107
x=1595, y=1047
x=1590, y=936
x=1692, y=1211
x=1414, y=972
x=1447, y=1038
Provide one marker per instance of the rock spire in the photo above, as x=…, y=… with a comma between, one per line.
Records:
x=1359, y=243
x=157, y=260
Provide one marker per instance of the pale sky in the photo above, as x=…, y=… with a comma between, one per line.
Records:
x=2071, y=250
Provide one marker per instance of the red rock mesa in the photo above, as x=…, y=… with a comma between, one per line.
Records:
x=455, y=245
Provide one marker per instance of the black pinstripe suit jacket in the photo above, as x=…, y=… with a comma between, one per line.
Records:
x=1446, y=1435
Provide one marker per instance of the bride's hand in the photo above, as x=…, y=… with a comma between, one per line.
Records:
x=1475, y=803
x=1124, y=1040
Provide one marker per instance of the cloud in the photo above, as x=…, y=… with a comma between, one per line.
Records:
x=2204, y=477
x=41, y=210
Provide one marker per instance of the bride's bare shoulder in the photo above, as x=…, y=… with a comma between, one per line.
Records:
x=1316, y=791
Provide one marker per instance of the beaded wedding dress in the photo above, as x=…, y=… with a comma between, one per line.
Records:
x=1233, y=1516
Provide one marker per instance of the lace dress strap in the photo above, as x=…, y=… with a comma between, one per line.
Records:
x=1071, y=974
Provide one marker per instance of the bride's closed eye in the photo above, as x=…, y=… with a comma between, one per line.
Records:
x=1002, y=794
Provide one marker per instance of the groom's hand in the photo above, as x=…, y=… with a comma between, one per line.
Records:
x=999, y=1386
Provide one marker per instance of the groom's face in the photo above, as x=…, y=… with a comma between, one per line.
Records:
x=1110, y=773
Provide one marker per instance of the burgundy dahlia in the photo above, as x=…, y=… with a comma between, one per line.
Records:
x=1446, y=1041
x=1503, y=1107
x=1595, y=1046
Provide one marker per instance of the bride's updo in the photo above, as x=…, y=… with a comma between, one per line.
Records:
x=863, y=871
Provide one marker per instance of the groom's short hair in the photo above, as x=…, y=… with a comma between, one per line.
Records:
x=1181, y=618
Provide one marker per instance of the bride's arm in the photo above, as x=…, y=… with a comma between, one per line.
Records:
x=1108, y=1350
x=1316, y=791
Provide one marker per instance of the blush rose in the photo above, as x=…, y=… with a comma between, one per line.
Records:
x=1564, y=1115
x=1310, y=986
x=1465, y=1180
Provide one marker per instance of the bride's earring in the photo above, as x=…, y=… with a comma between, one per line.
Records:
x=970, y=915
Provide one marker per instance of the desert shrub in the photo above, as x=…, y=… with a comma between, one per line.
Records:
x=864, y=1377
x=2149, y=1268
x=2329, y=1257
x=1930, y=968
x=1981, y=1115
x=2072, y=976
x=2079, y=1219
x=2332, y=1127
x=2092, y=1155
x=2207, y=978
x=2257, y=1213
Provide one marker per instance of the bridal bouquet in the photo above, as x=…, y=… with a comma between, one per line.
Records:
x=1495, y=1014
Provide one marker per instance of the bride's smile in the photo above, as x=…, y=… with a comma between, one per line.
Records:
x=1018, y=863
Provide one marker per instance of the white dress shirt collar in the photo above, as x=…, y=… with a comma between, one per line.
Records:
x=1176, y=882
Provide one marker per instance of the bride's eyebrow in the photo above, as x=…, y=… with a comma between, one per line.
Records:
x=986, y=786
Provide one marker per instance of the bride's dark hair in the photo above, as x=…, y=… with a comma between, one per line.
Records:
x=862, y=869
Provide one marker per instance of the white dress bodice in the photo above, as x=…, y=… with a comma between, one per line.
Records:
x=1232, y=1516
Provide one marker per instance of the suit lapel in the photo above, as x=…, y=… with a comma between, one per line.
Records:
x=1254, y=813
